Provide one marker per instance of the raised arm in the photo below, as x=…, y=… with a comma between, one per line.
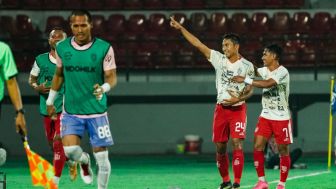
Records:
x=191, y=38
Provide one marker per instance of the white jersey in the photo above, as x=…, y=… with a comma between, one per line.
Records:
x=225, y=70
x=275, y=99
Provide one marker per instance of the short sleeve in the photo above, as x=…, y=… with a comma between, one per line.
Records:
x=280, y=76
x=215, y=58
x=59, y=62
x=250, y=71
x=109, y=60
x=9, y=67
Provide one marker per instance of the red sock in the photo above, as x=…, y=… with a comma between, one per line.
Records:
x=285, y=162
x=59, y=157
x=223, y=166
x=259, y=161
x=237, y=164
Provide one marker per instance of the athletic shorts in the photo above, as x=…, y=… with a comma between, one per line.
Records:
x=98, y=129
x=51, y=127
x=281, y=129
x=229, y=121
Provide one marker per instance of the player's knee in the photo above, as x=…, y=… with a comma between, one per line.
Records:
x=103, y=160
x=73, y=152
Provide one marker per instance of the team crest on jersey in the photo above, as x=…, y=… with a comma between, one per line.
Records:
x=67, y=55
x=93, y=57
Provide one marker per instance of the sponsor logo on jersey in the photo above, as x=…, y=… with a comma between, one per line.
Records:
x=80, y=69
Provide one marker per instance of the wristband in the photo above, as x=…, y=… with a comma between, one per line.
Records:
x=248, y=80
x=106, y=87
x=51, y=98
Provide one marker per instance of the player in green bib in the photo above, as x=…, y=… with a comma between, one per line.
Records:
x=8, y=74
x=40, y=80
x=86, y=66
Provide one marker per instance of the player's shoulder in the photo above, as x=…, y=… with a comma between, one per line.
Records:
x=283, y=69
x=66, y=41
x=42, y=55
x=246, y=62
x=4, y=45
x=100, y=40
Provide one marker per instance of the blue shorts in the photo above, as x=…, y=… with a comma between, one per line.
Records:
x=98, y=129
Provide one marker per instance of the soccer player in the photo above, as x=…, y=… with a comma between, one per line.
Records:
x=40, y=79
x=275, y=116
x=86, y=66
x=8, y=74
x=230, y=111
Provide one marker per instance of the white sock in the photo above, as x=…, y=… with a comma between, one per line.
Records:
x=104, y=170
x=262, y=179
x=281, y=183
x=84, y=158
x=56, y=180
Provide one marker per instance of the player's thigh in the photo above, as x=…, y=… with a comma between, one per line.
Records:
x=238, y=123
x=263, y=128
x=71, y=125
x=282, y=131
x=99, y=131
x=220, y=127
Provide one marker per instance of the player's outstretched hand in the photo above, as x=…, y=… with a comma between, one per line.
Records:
x=238, y=79
x=98, y=91
x=175, y=24
x=20, y=124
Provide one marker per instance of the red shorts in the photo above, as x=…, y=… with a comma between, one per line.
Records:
x=229, y=122
x=282, y=130
x=51, y=127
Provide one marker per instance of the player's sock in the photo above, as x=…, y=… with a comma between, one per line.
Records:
x=237, y=165
x=75, y=153
x=285, y=162
x=59, y=157
x=104, y=170
x=259, y=161
x=56, y=180
x=223, y=166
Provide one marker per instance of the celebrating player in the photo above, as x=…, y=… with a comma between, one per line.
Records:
x=86, y=66
x=275, y=116
x=230, y=111
x=40, y=79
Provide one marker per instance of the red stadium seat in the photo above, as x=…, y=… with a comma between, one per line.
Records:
x=113, y=4
x=328, y=56
x=185, y=57
x=24, y=26
x=173, y=4
x=98, y=23
x=234, y=4
x=8, y=24
x=33, y=4
x=164, y=58
x=136, y=23
x=54, y=21
x=133, y=4
x=194, y=4
x=280, y=23
x=301, y=22
x=153, y=4
x=157, y=23
x=142, y=59
x=259, y=24
x=52, y=4
x=72, y=4
x=308, y=56
x=116, y=24
x=218, y=26
x=92, y=4
x=290, y=56
x=321, y=23
x=240, y=23
x=199, y=23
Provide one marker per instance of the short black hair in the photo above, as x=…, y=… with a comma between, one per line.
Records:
x=275, y=49
x=81, y=13
x=232, y=37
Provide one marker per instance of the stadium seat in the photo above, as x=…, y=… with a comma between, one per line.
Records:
x=153, y=4
x=328, y=56
x=308, y=56
x=121, y=57
x=239, y=23
x=142, y=59
x=157, y=23
x=113, y=4
x=136, y=23
x=133, y=4
x=24, y=61
x=24, y=26
x=321, y=23
x=233, y=4
x=33, y=4
x=116, y=24
x=185, y=57
x=280, y=23
x=218, y=25
x=273, y=3
x=290, y=56
x=254, y=4
x=194, y=4
x=92, y=4
x=52, y=4
x=173, y=4
x=301, y=23
x=259, y=24
x=72, y=4
x=252, y=51
x=198, y=23
x=8, y=25
x=54, y=21
x=11, y=4
x=164, y=59
x=151, y=41
x=294, y=3
x=214, y=4
x=98, y=23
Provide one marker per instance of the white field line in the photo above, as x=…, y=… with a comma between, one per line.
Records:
x=293, y=178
